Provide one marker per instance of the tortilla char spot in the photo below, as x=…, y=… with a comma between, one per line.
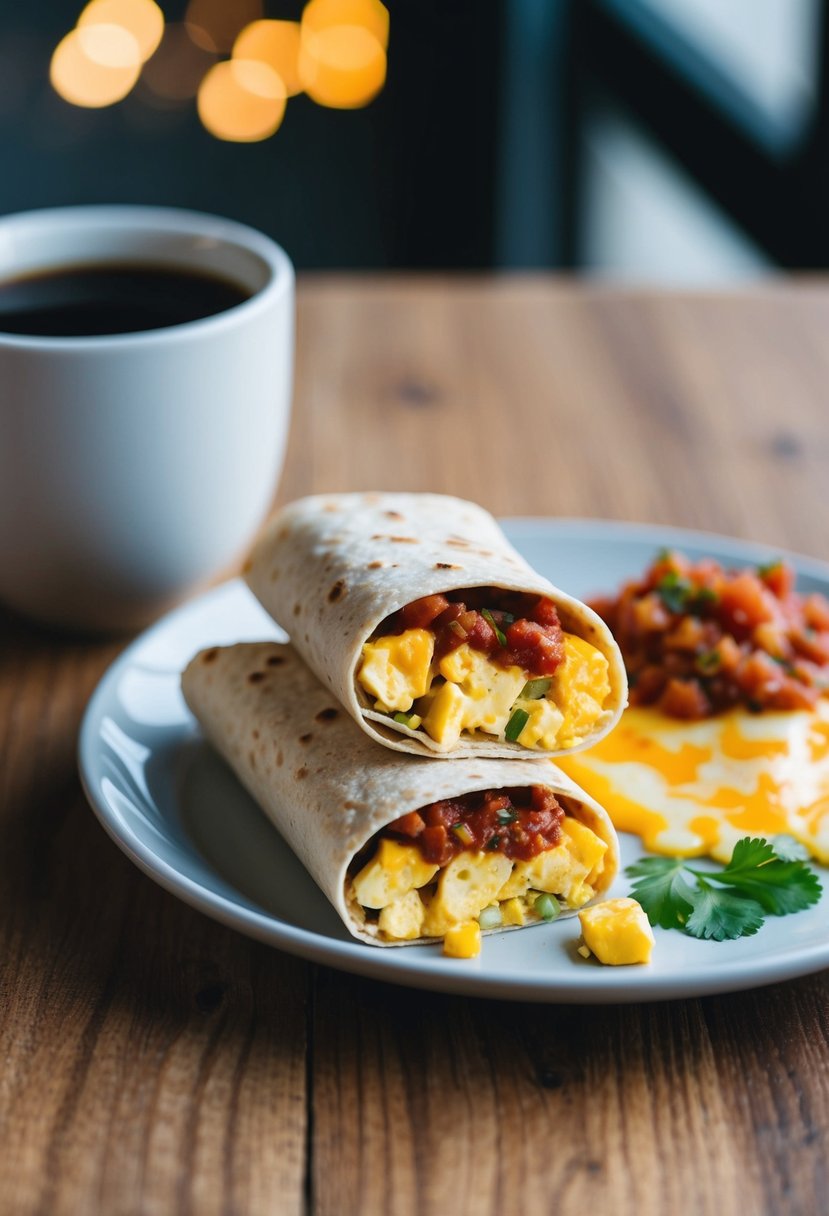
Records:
x=300, y=773
x=393, y=515
x=339, y=589
x=252, y=758
x=306, y=738
x=297, y=609
x=275, y=660
x=211, y=655
x=256, y=677
x=446, y=566
x=255, y=734
x=375, y=566
x=404, y=540
x=327, y=715
x=458, y=544
x=280, y=759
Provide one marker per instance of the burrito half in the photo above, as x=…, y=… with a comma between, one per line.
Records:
x=432, y=631
x=407, y=851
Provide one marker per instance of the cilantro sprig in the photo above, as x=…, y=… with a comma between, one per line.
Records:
x=761, y=879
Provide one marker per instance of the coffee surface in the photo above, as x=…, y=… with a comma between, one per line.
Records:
x=110, y=298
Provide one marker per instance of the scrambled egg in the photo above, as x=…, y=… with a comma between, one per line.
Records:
x=465, y=692
x=617, y=932
x=399, y=883
x=694, y=788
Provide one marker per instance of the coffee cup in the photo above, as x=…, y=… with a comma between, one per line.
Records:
x=135, y=464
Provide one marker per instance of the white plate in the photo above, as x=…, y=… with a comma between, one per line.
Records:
x=179, y=813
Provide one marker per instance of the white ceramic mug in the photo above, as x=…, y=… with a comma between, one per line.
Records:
x=134, y=466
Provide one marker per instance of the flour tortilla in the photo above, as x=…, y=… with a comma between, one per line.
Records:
x=330, y=569
x=325, y=785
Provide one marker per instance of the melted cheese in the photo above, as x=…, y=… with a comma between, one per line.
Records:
x=465, y=692
x=617, y=932
x=693, y=788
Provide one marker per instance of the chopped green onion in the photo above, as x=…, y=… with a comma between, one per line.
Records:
x=534, y=690
x=458, y=628
x=703, y=596
x=494, y=844
x=709, y=662
x=507, y=618
x=505, y=816
x=547, y=907
x=403, y=719
x=674, y=591
x=516, y=724
x=463, y=833
x=490, y=918
x=487, y=615
x=769, y=567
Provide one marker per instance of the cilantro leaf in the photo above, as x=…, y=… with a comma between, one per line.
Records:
x=787, y=848
x=731, y=902
x=721, y=916
x=663, y=892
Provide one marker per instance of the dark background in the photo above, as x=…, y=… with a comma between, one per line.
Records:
x=475, y=155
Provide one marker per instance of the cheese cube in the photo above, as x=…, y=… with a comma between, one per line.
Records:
x=463, y=941
x=617, y=931
x=396, y=670
x=512, y=910
x=394, y=870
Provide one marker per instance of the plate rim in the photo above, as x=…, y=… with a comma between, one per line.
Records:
x=596, y=985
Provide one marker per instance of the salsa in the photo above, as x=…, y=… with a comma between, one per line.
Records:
x=524, y=631
x=698, y=639
x=516, y=822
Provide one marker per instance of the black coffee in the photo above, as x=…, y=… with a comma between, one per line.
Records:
x=111, y=298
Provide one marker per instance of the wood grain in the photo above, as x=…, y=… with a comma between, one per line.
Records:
x=152, y=1061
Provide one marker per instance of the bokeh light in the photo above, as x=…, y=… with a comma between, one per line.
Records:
x=95, y=65
x=342, y=66
x=241, y=100
x=371, y=15
x=275, y=43
x=214, y=25
x=141, y=18
x=176, y=70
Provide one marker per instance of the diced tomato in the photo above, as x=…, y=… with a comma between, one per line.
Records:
x=684, y=699
x=537, y=648
x=408, y=825
x=420, y=613
x=745, y=603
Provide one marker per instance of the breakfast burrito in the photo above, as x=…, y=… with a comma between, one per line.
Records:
x=406, y=850
x=432, y=631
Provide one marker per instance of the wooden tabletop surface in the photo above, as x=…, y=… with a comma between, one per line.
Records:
x=152, y=1061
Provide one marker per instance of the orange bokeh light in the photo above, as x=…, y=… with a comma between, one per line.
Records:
x=95, y=65
x=141, y=18
x=373, y=16
x=275, y=43
x=342, y=66
x=241, y=100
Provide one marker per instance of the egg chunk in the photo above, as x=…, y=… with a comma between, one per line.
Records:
x=690, y=788
x=617, y=932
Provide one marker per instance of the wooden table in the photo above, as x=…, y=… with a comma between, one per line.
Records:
x=152, y=1061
